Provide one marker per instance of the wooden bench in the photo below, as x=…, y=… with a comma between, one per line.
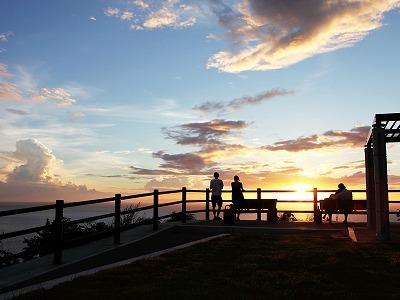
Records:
x=330, y=206
x=262, y=205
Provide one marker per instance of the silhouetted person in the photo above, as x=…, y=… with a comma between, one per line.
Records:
x=216, y=186
x=344, y=201
x=237, y=194
x=341, y=200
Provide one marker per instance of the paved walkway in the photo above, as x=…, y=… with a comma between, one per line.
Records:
x=142, y=240
x=10, y=276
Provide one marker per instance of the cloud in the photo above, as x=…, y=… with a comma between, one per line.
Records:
x=117, y=13
x=126, y=15
x=37, y=159
x=61, y=96
x=186, y=162
x=156, y=15
x=111, y=11
x=3, y=71
x=356, y=137
x=273, y=34
x=17, y=112
x=142, y=171
x=238, y=103
x=76, y=115
x=168, y=183
x=92, y=18
x=141, y=3
x=9, y=91
x=209, y=136
x=33, y=178
x=170, y=14
x=203, y=133
x=46, y=192
x=4, y=36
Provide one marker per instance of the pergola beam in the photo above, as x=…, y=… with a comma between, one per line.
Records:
x=381, y=184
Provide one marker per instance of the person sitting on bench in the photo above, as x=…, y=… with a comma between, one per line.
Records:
x=341, y=200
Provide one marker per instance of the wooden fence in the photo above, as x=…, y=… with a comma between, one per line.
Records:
x=59, y=206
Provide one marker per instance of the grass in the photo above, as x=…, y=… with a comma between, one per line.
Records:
x=250, y=267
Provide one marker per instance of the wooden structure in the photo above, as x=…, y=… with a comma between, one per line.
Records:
x=155, y=203
x=385, y=129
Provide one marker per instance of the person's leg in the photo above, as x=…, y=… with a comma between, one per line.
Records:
x=219, y=202
x=345, y=218
x=213, y=203
x=330, y=218
x=218, y=211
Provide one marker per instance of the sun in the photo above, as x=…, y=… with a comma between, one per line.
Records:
x=302, y=188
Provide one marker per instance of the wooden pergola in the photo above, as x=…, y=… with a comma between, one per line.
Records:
x=385, y=129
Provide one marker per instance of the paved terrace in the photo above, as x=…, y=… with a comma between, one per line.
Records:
x=141, y=241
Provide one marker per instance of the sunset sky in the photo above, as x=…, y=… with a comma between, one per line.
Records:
x=99, y=97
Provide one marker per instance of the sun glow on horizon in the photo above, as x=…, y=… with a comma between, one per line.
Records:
x=302, y=188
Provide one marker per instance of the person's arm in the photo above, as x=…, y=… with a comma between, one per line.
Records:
x=241, y=187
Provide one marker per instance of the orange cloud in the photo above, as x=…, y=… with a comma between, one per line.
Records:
x=274, y=34
x=356, y=137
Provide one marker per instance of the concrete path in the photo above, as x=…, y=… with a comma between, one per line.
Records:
x=10, y=276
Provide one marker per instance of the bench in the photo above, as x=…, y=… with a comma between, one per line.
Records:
x=260, y=205
x=332, y=206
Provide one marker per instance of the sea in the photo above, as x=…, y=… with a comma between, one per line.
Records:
x=28, y=220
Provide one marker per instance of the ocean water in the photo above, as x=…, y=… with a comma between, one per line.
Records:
x=28, y=220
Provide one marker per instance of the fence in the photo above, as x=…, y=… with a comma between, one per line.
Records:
x=59, y=206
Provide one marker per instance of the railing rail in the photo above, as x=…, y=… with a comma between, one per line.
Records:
x=59, y=207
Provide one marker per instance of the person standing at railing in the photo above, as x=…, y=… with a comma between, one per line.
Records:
x=237, y=195
x=216, y=186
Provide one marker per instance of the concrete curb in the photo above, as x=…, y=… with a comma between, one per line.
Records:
x=51, y=283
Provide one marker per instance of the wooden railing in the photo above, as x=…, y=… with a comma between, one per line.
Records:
x=59, y=206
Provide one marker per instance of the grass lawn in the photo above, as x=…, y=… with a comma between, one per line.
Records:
x=250, y=267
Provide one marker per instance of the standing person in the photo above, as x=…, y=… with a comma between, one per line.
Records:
x=216, y=186
x=237, y=194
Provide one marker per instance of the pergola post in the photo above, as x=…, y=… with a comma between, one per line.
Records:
x=370, y=187
x=381, y=183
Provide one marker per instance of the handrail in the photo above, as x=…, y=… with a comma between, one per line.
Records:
x=87, y=202
x=19, y=211
x=137, y=196
x=156, y=205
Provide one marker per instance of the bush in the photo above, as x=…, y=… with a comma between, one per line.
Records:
x=178, y=216
x=42, y=242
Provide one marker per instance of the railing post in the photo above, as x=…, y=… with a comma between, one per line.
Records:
x=58, y=232
x=207, y=204
x=258, y=204
x=155, y=210
x=315, y=201
x=117, y=219
x=184, y=205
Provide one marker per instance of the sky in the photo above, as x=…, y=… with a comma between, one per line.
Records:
x=124, y=96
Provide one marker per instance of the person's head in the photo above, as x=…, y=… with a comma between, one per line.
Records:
x=216, y=175
x=341, y=186
x=236, y=178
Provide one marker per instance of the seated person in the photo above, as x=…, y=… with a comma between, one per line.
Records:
x=341, y=200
